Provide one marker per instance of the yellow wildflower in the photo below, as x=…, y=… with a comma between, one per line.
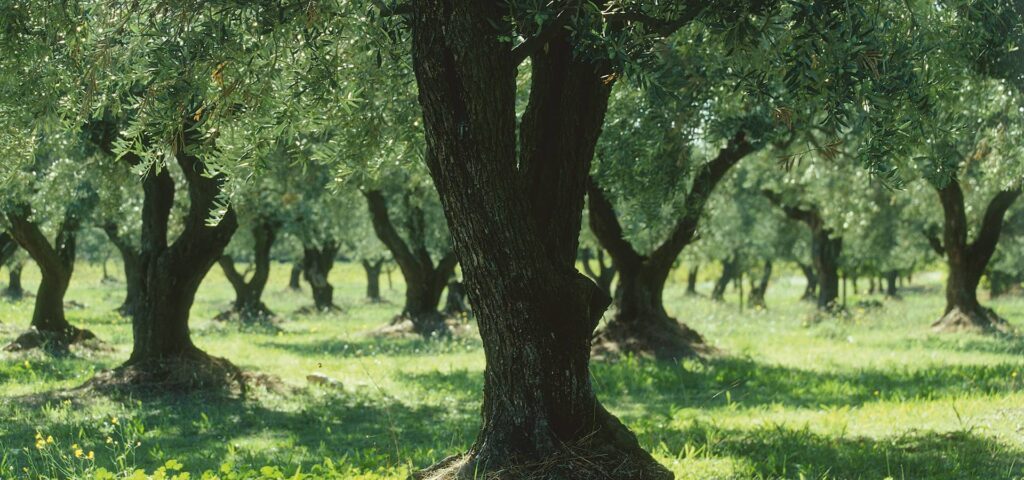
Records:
x=92, y=455
x=113, y=420
x=79, y=453
x=49, y=439
x=110, y=440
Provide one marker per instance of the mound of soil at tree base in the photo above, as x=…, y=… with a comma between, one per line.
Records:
x=596, y=458
x=194, y=371
x=980, y=320
x=313, y=310
x=55, y=342
x=402, y=327
x=657, y=340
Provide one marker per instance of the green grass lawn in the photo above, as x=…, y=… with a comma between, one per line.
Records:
x=872, y=396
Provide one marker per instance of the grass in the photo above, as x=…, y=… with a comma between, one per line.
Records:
x=873, y=396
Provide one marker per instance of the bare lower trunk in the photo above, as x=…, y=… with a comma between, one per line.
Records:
x=730, y=270
x=967, y=261
x=248, y=305
x=640, y=323
x=826, y=251
x=811, y=287
x=890, y=284
x=759, y=287
x=372, y=269
x=317, y=262
x=691, y=280
x=295, y=278
x=456, y=304
x=15, y=290
x=514, y=213
x=56, y=263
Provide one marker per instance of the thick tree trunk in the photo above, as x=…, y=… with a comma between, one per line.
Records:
x=640, y=324
x=825, y=251
x=811, y=287
x=424, y=282
x=515, y=223
x=56, y=263
x=15, y=290
x=295, y=278
x=163, y=355
x=967, y=261
x=373, y=269
x=759, y=287
x=248, y=305
x=691, y=280
x=890, y=284
x=317, y=262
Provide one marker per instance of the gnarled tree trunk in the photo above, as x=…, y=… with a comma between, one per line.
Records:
x=640, y=323
x=163, y=354
x=317, y=262
x=825, y=250
x=424, y=282
x=968, y=260
x=248, y=305
x=515, y=217
x=890, y=284
x=56, y=263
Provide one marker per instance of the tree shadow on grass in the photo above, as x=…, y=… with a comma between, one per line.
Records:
x=1010, y=344
x=780, y=451
x=202, y=432
x=371, y=346
x=749, y=383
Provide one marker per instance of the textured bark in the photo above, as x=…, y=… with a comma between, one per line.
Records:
x=172, y=272
x=515, y=222
x=759, y=287
x=372, y=269
x=317, y=262
x=248, y=305
x=132, y=270
x=967, y=260
x=826, y=249
x=424, y=281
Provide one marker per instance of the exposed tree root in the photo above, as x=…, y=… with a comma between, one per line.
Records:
x=193, y=371
x=982, y=320
x=602, y=456
x=658, y=338
x=54, y=342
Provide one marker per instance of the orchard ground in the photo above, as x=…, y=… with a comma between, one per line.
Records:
x=872, y=396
